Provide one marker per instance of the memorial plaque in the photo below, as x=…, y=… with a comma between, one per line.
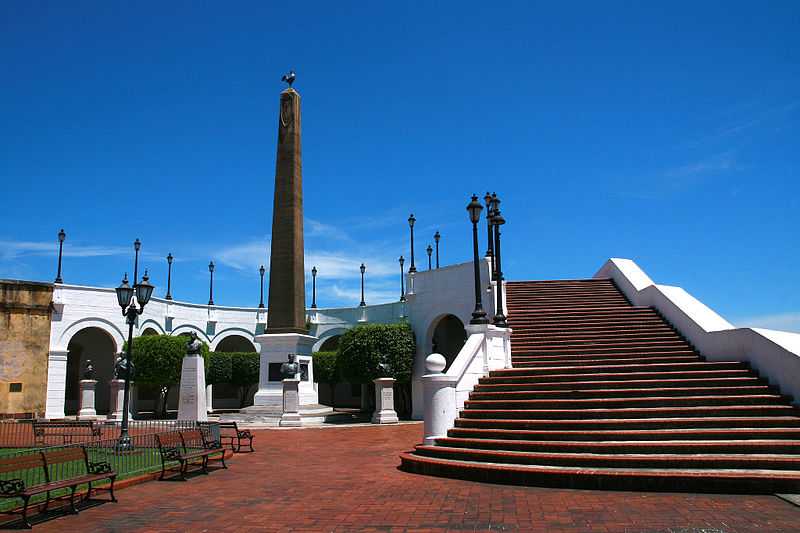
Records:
x=275, y=372
x=303, y=371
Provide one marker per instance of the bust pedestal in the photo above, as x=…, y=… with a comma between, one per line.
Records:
x=291, y=404
x=274, y=351
x=384, y=402
x=88, y=410
x=117, y=398
x=192, y=397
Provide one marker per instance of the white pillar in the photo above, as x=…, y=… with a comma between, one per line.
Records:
x=56, y=383
x=384, y=402
x=209, y=398
x=440, y=399
x=192, y=395
x=291, y=404
x=87, y=399
x=116, y=398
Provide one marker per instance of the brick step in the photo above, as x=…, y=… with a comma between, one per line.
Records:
x=660, y=435
x=619, y=369
x=595, y=413
x=590, y=460
x=518, y=297
x=533, y=394
x=624, y=403
x=751, y=446
x=632, y=347
x=683, y=422
x=521, y=361
x=531, y=339
x=739, y=481
x=577, y=323
x=583, y=312
x=745, y=378
x=529, y=304
x=559, y=330
x=616, y=376
x=552, y=282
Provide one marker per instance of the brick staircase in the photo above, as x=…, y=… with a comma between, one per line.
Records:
x=607, y=395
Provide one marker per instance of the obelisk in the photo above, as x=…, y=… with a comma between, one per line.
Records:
x=286, y=331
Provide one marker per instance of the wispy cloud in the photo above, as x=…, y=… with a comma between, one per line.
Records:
x=316, y=229
x=244, y=256
x=679, y=178
x=715, y=164
x=783, y=321
x=16, y=249
x=747, y=122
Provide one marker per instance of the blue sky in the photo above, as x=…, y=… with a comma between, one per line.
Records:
x=663, y=133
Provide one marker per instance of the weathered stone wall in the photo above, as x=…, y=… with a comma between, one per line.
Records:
x=25, y=309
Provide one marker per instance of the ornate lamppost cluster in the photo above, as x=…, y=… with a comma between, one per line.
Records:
x=494, y=219
x=412, y=269
x=132, y=300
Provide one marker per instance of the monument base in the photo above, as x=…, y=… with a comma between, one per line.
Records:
x=274, y=351
x=87, y=410
x=192, y=393
x=117, y=395
x=384, y=402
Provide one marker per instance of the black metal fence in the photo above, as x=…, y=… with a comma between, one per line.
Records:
x=16, y=434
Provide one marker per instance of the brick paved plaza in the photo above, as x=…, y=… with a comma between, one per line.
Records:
x=346, y=479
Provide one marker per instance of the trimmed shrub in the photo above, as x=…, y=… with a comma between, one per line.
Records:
x=380, y=350
x=157, y=362
x=218, y=369
x=244, y=373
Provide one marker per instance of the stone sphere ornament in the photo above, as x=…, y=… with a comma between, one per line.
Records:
x=435, y=363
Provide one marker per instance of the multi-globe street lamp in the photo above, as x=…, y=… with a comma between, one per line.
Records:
x=490, y=247
x=411, y=221
x=313, y=287
x=261, y=271
x=211, y=284
x=132, y=301
x=363, y=269
x=497, y=221
x=436, y=238
x=169, y=276
x=402, y=280
x=61, y=237
x=474, y=209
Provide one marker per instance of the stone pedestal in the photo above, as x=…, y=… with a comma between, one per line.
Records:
x=291, y=404
x=117, y=398
x=192, y=394
x=384, y=402
x=87, y=399
x=274, y=351
x=209, y=398
x=440, y=399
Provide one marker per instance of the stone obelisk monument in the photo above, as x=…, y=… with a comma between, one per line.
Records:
x=286, y=331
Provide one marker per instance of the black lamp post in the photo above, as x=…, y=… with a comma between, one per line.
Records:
x=61, y=237
x=261, y=274
x=137, y=245
x=363, y=269
x=490, y=248
x=314, y=288
x=474, y=209
x=411, y=221
x=429, y=249
x=402, y=280
x=436, y=238
x=169, y=276
x=131, y=308
x=497, y=221
x=211, y=284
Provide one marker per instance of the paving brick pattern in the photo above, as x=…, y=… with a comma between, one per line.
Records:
x=346, y=479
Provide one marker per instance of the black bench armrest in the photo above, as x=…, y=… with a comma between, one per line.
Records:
x=244, y=433
x=11, y=487
x=171, y=454
x=100, y=467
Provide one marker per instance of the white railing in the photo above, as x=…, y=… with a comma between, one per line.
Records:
x=774, y=354
x=487, y=348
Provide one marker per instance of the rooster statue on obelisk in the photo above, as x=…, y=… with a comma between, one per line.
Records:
x=286, y=331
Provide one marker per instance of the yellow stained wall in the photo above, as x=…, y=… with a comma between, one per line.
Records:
x=25, y=309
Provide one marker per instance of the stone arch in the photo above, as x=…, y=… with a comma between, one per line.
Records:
x=327, y=336
x=446, y=335
x=185, y=329
x=95, y=344
x=151, y=327
x=109, y=327
x=234, y=340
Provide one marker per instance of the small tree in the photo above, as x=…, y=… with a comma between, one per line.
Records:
x=157, y=362
x=380, y=350
x=219, y=368
x=244, y=373
x=326, y=370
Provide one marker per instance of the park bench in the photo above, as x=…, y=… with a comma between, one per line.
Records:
x=185, y=447
x=231, y=435
x=49, y=471
x=66, y=429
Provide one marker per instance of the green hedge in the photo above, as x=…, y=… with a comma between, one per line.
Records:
x=377, y=350
x=244, y=373
x=218, y=369
x=326, y=367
